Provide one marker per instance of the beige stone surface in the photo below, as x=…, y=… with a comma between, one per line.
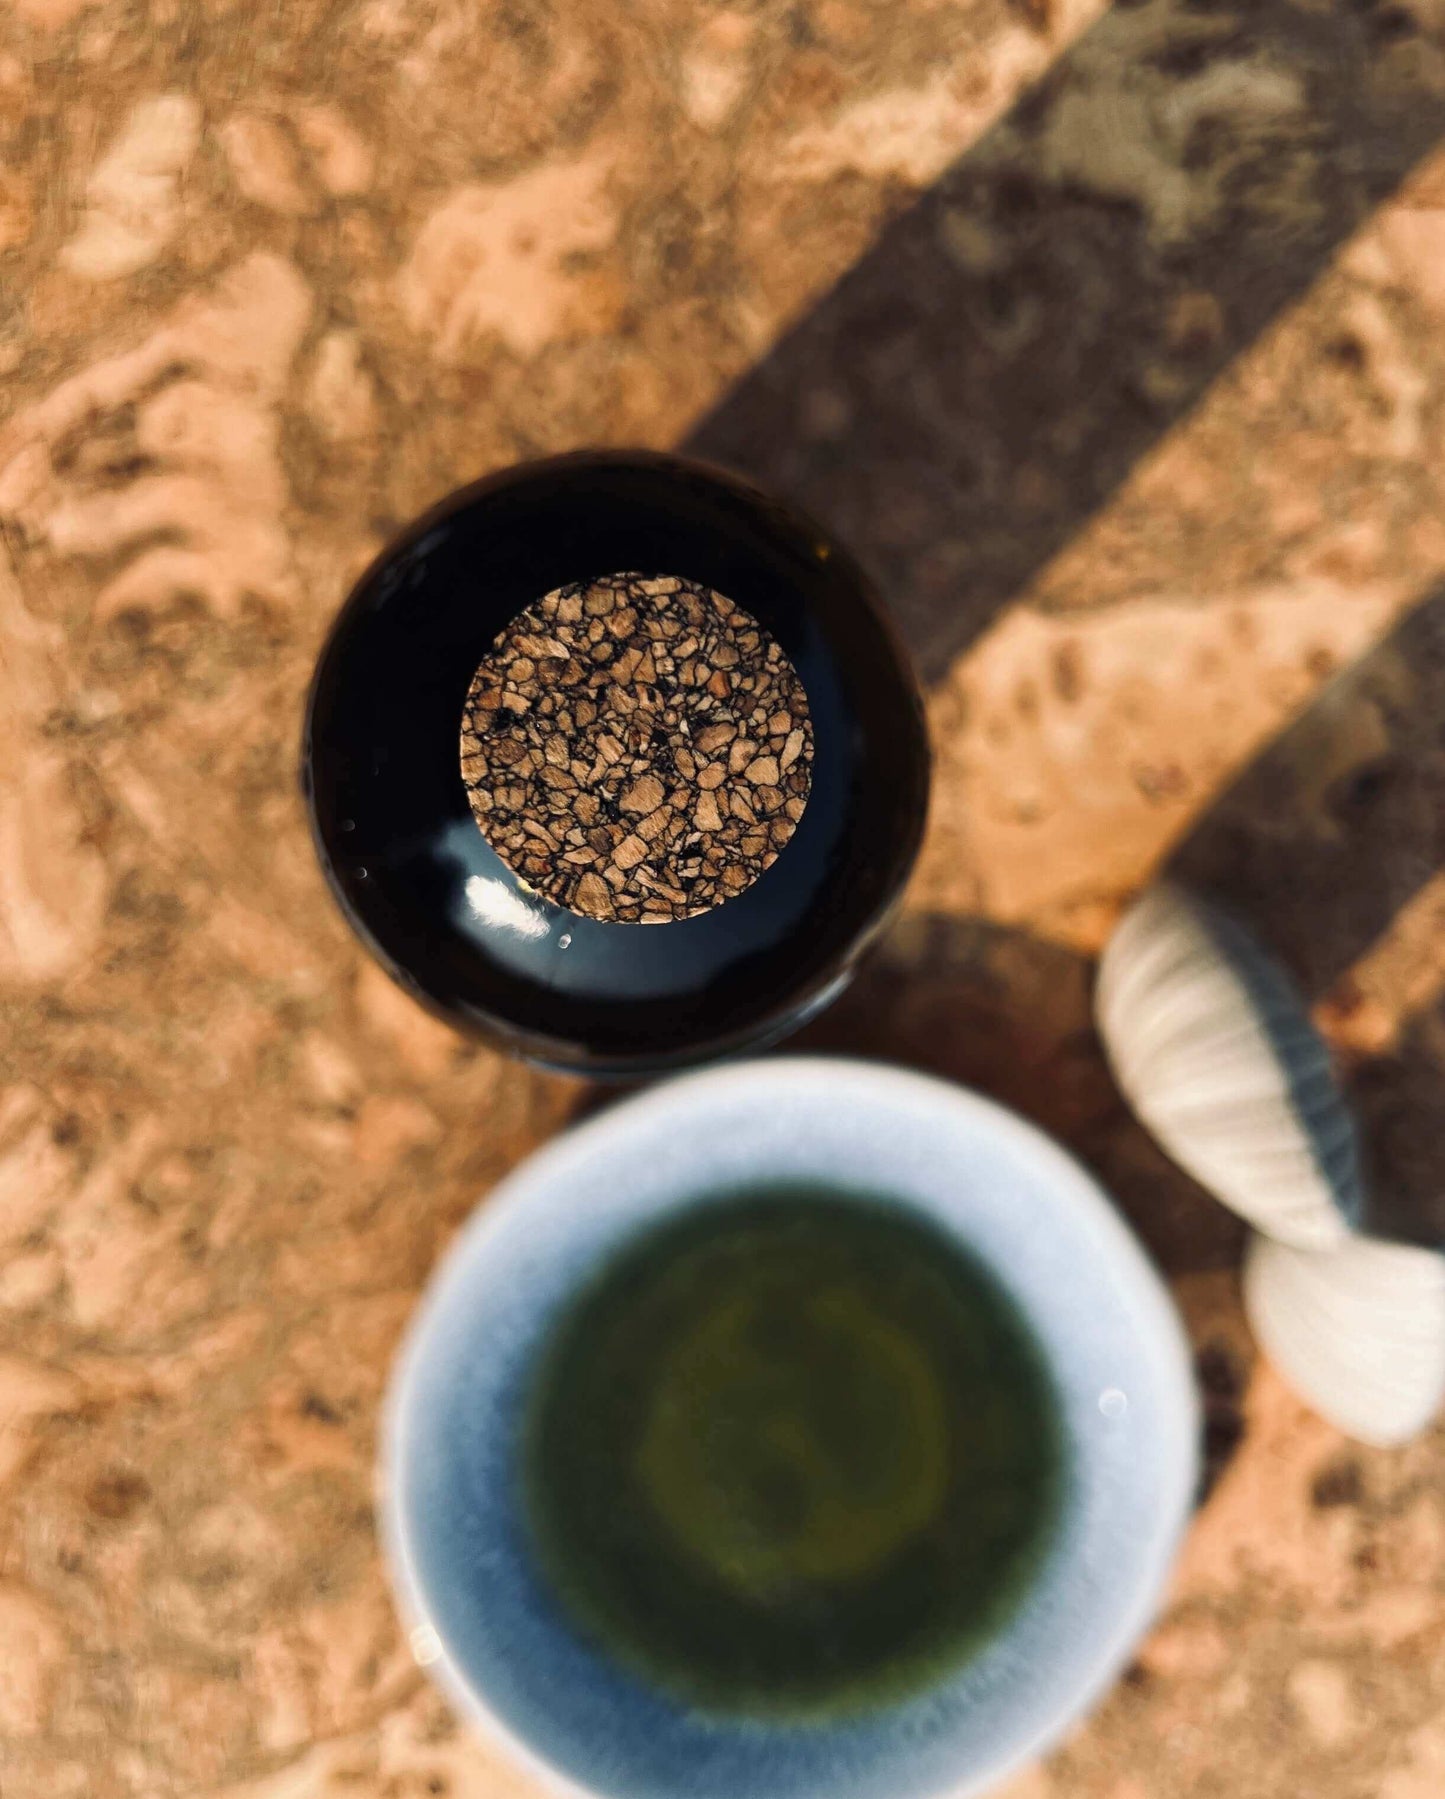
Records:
x=1111, y=339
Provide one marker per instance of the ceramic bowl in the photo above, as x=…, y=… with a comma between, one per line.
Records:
x=483, y=1619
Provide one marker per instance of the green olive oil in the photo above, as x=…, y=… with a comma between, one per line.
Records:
x=792, y=1453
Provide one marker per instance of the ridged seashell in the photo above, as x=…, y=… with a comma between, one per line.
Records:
x=1358, y=1331
x=1214, y=1048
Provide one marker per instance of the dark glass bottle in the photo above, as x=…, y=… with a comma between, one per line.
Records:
x=468, y=934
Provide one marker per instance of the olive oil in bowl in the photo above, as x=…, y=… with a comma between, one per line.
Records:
x=792, y=1453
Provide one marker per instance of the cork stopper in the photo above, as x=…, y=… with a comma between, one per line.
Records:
x=638, y=749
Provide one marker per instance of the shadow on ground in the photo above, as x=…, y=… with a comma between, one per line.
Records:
x=1340, y=822
x=980, y=384
x=985, y=378
x=1321, y=845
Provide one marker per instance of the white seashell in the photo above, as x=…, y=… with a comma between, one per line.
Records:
x=1214, y=1048
x=1357, y=1331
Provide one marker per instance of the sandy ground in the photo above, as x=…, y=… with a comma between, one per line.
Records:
x=1114, y=343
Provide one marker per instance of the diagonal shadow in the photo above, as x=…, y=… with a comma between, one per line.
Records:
x=983, y=380
x=1320, y=844
x=1398, y=1099
x=1340, y=822
x=979, y=385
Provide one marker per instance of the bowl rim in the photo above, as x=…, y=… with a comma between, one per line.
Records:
x=771, y=1076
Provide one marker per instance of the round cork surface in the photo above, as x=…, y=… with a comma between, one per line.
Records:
x=637, y=748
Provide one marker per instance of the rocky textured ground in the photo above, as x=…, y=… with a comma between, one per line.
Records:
x=1113, y=341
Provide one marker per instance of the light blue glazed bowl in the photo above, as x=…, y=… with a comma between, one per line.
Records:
x=484, y=1620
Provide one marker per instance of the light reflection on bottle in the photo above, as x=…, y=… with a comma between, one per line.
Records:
x=494, y=903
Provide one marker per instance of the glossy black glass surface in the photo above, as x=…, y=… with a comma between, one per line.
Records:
x=440, y=909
